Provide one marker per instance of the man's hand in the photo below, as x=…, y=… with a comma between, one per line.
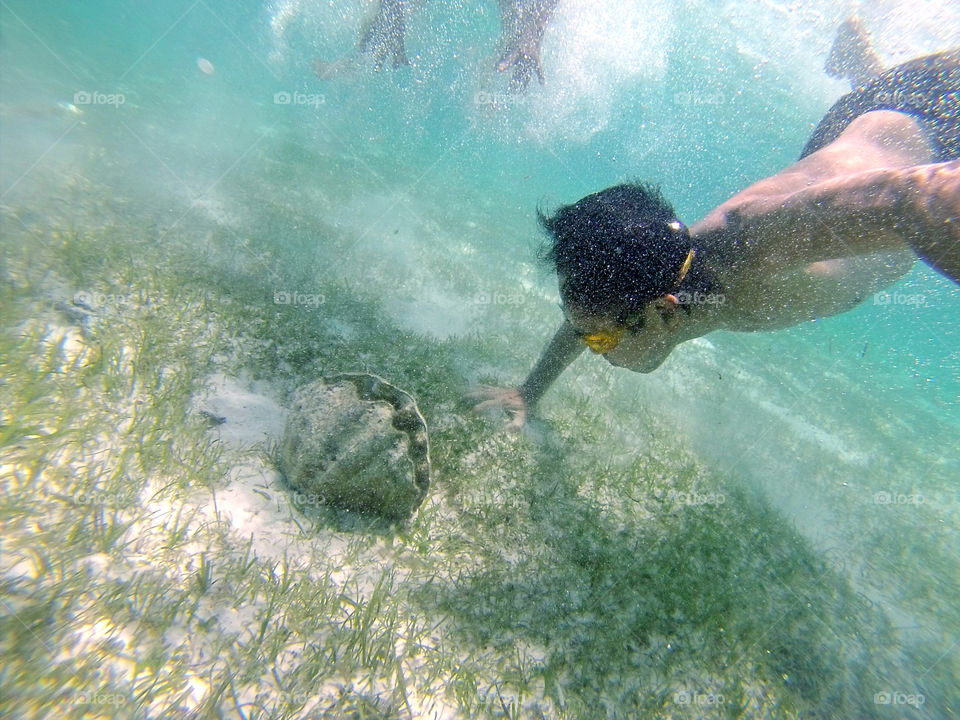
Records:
x=523, y=57
x=523, y=23
x=385, y=37
x=506, y=400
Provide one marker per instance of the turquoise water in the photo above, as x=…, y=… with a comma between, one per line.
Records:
x=203, y=124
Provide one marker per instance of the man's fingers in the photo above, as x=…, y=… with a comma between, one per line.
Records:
x=539, y=68
x=508, y=60
x=516, y=424
x=482, y=391
x=509, y=404
x=502, y=399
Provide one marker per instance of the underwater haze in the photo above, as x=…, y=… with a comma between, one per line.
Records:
x=194, y=225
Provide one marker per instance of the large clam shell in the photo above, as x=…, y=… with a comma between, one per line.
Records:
x=356, y=442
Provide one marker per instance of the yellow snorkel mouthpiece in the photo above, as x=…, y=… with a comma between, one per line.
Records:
x=604, y=341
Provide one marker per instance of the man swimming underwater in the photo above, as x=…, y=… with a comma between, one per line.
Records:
x=877, y=185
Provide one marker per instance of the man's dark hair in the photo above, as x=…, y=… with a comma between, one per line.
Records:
x=617, y=249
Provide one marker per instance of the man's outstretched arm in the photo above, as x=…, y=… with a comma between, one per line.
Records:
x=565, y=347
